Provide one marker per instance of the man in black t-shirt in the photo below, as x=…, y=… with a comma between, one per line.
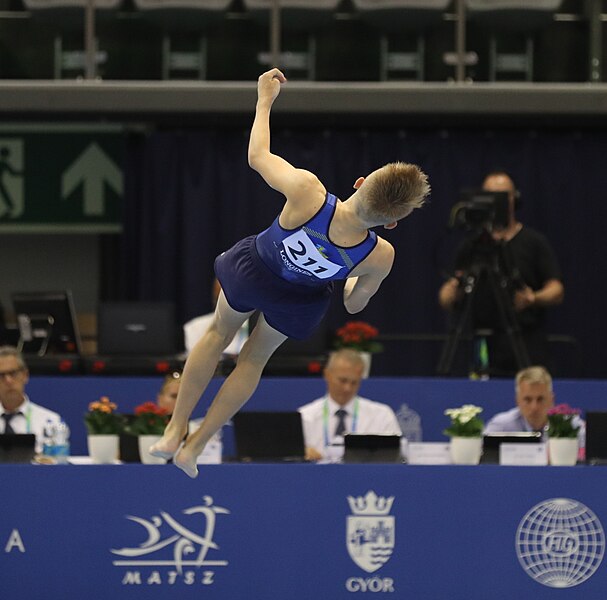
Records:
x=535, y=275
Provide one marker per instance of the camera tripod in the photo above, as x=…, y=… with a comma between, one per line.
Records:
x=489, y=260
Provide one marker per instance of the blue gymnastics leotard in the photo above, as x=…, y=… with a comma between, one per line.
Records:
x=305, y=255
x=288, y=274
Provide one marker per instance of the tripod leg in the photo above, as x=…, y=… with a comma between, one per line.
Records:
x=509, y=320
x=445, y=363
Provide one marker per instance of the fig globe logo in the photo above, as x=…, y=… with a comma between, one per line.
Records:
x=370, y=531
x=560, y=543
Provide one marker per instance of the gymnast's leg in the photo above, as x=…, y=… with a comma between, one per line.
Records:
x=235, y=391
x=198, y=371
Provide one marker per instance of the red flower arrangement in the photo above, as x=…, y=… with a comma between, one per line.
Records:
x=358, y=335
x=150, y=419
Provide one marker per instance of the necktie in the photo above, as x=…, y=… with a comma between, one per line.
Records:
x=341, y=415
x=8, y=417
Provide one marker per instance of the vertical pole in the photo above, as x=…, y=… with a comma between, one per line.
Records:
x=595, y=37
x=275, y=28
x=460, y=42
x=89, y=40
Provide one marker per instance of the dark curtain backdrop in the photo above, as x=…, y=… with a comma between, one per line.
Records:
x=191, y=195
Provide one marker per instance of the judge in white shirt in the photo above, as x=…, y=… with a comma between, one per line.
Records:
x=17, y=413
x=341, y=410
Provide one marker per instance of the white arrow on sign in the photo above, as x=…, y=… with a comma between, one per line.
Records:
x=92, y=168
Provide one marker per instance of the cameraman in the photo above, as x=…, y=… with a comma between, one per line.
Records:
x=536, y=282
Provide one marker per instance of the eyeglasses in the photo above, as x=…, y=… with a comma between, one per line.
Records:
x=12, y=374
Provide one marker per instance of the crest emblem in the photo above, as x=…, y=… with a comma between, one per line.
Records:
x=370, y=531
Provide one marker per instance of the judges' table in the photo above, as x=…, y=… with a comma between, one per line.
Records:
x=309, y=532
x=419, y=403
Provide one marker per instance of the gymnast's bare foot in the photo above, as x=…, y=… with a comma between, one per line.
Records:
x=186, y=461
x=167, y=446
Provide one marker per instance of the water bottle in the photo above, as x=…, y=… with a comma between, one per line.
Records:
x=480, y=368
x=62, y=443
x=48, y=444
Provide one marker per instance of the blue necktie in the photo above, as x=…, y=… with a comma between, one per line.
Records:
x=341, y=414
x=8, y=417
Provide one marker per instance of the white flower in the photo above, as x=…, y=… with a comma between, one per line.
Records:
x=464, y=413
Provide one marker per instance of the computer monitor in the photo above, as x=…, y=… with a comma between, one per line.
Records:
x=493, y=441
x=136, y=328
x=596, y=437
x=17, y=447
x=269, y=436
x=47, y=323
x=372, y=448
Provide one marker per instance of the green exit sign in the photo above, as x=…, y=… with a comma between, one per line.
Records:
x=61, y=178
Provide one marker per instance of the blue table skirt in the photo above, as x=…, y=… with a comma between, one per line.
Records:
x=303, y=532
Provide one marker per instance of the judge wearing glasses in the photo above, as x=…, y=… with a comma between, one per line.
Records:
x=341, y=410
x=17, y=413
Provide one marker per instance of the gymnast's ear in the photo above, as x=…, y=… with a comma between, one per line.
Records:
x=358, y=183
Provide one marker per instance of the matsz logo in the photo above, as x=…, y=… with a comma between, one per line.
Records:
x=181, y=550
x=560, y=543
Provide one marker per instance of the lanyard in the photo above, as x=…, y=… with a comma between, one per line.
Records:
x=325, y=418
x=28, y=418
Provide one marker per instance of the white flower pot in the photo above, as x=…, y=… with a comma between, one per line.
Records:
x=366, y=356
x=563, y=451
x=145, y=441
x=466, y=450
x=103, y=448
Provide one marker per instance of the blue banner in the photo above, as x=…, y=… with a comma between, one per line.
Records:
x=303, y=532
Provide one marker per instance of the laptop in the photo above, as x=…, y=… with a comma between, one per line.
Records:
x=269, y=436
x=492, y=442
x=17, y=447
x=136, y=328
x=372, y=448
x=128, y=444
x=596, y=438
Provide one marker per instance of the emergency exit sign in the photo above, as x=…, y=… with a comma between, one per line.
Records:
x=61, y=178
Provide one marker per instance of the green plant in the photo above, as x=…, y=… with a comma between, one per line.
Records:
x=102, y=418
x=560, y=421
x=150, y=419
x=358, y=335
x=464, y=421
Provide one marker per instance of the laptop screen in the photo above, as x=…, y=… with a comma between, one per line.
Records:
x=136, y=328
x=17, y=447
x=268, y=436
x=596, y=437
x=492, y=442
x=371, y=448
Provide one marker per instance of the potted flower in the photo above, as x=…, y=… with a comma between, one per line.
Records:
x=466, y=431
x=359, y=336
x=148, y=424
x=103, y=425
x=562, y=435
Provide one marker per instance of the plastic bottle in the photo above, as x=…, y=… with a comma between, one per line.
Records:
x=48, y=444
x=480, y=368
x=62, y=443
